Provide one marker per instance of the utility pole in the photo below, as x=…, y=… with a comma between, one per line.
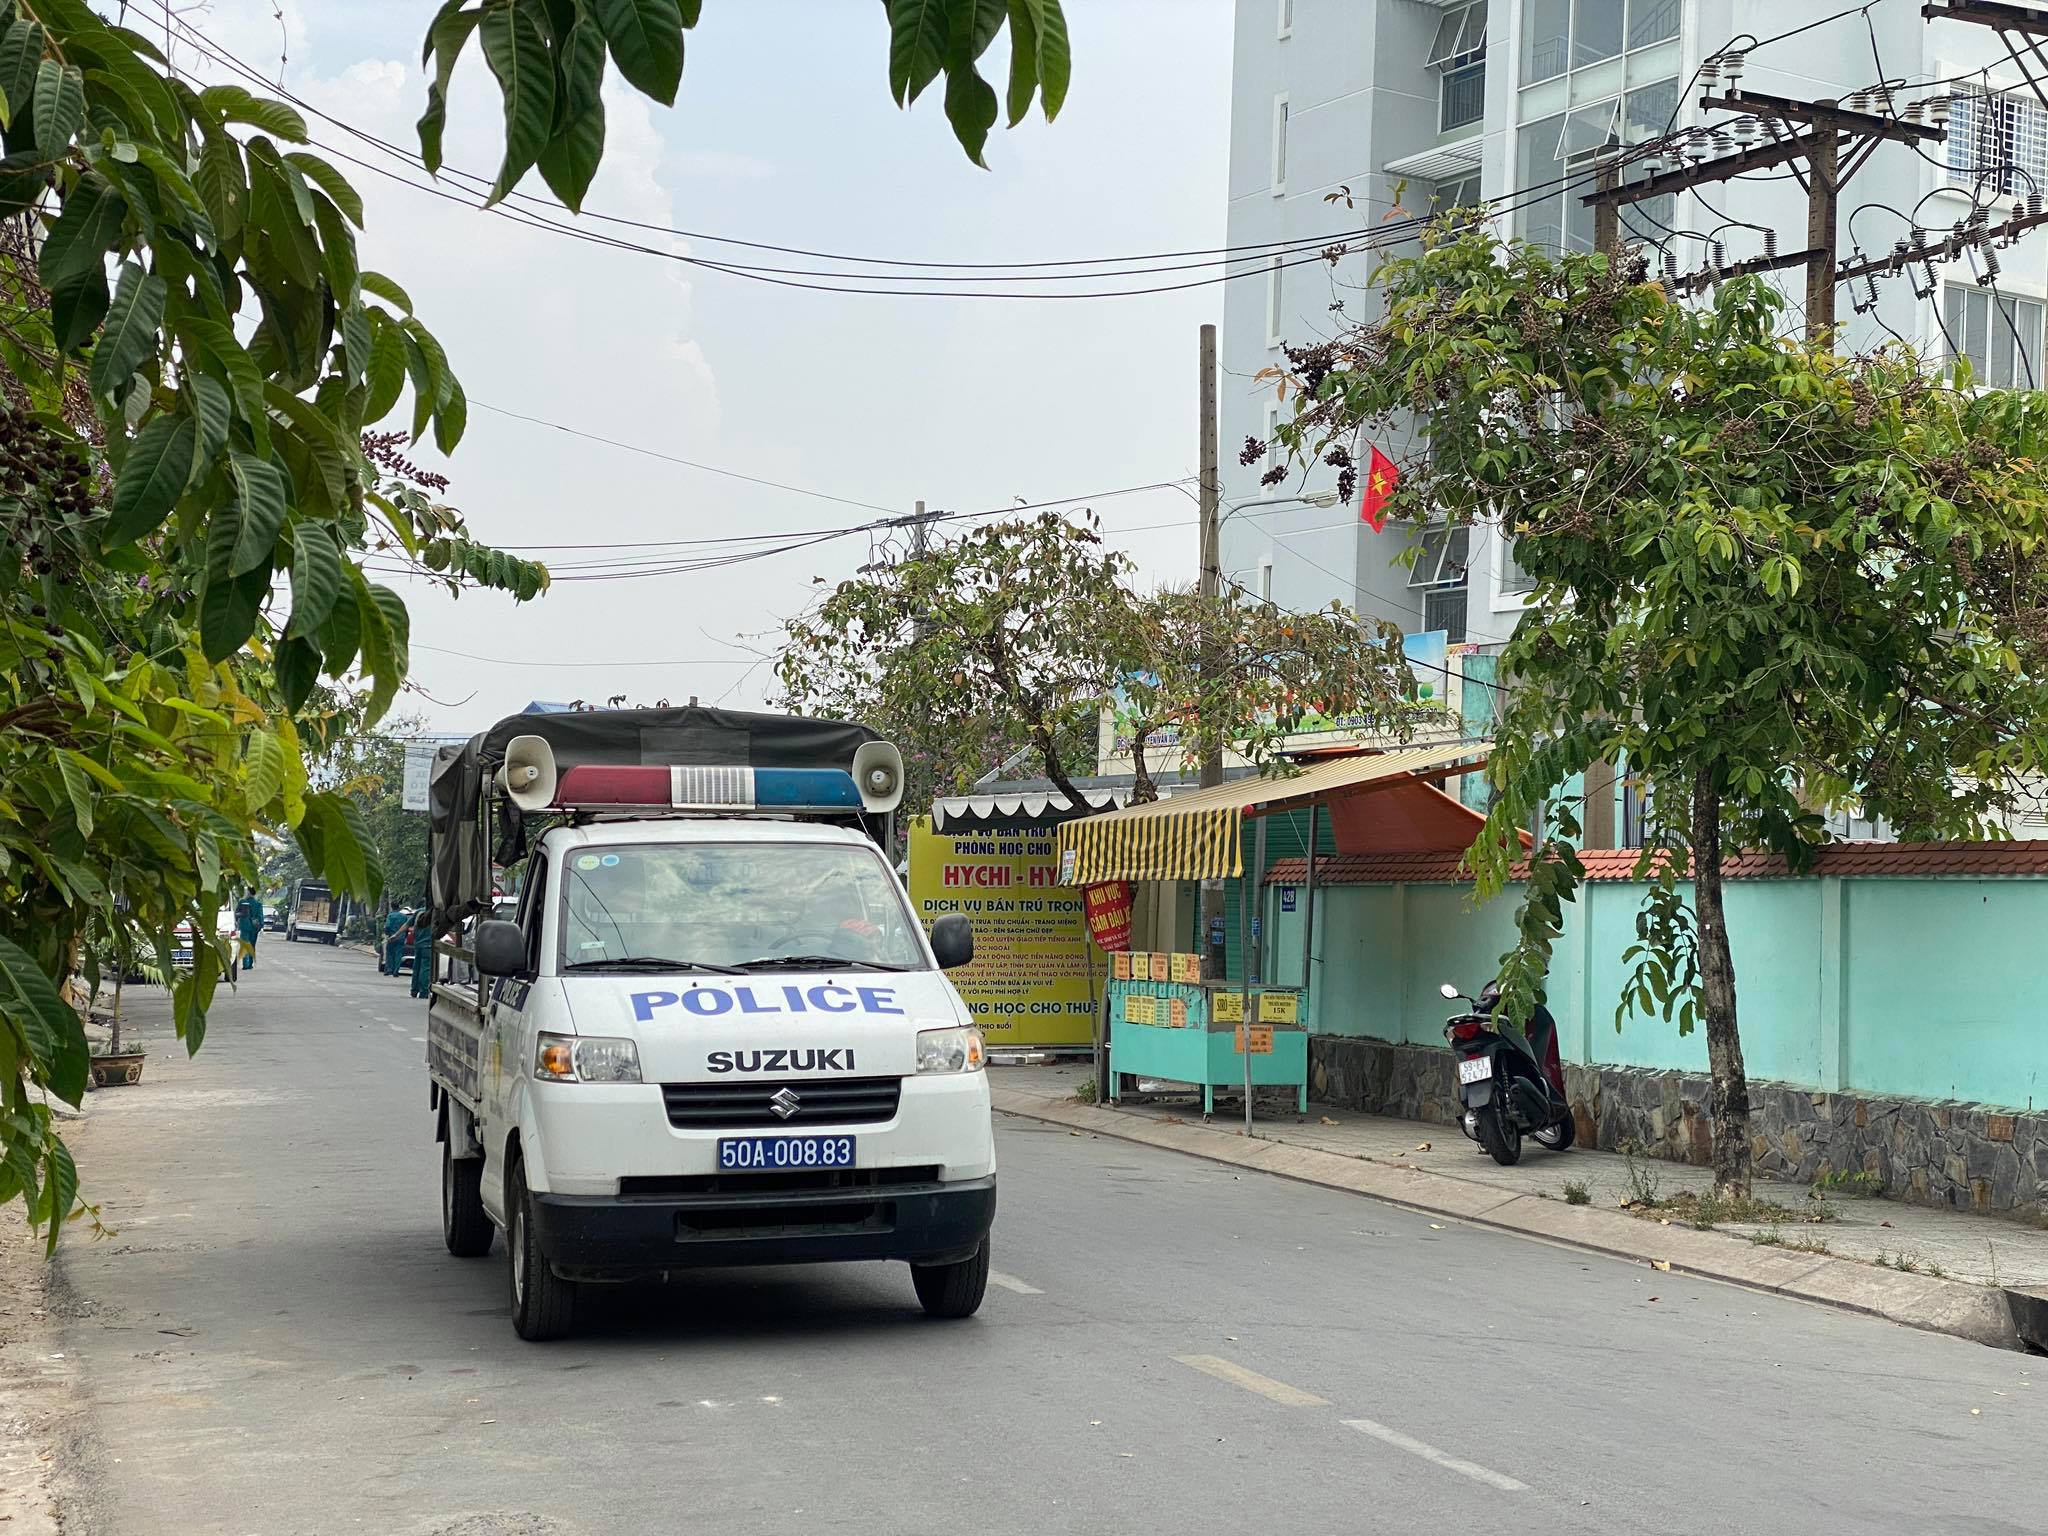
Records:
x=1596, y=803
x=1209, y=941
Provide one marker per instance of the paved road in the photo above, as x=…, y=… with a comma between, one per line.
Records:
x=276, y=1343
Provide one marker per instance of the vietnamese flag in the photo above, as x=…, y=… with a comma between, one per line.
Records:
x=1380, y=479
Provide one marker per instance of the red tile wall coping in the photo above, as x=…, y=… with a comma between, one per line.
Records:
x=1911, y=861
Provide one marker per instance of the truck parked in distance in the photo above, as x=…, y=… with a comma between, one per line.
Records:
x=314, y=915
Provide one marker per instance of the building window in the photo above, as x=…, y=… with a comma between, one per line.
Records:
x=1447, y=195
x=1558, y=153
x=1286, y=19
x=1444, y=608
x=1276, y=299
x=1999, y=334
x=1276, y=451
x=1443, y=559
x=1279, y=145
x=1266, y=581
x=1999, y=142
x=1563, y=35
x=1514, y=581
x=1459, y=58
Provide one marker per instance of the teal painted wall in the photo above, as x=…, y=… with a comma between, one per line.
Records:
x=1928, y=988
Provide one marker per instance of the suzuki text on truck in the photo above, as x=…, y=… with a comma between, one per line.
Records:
x=713, y=1032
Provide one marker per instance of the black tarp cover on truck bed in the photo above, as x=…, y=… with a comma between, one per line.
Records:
x=459, y=862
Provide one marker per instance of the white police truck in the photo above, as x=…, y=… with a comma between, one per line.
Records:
x=714, y=1032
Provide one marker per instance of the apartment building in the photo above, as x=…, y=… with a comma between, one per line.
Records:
x=1346, y=113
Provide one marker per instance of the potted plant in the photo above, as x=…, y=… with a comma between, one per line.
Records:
x=115, y=1065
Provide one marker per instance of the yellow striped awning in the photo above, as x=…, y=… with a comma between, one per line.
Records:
x=1199, y=835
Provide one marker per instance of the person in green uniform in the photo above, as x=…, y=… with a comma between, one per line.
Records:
x=422, y=954
x=387, y=959
x=249, y=924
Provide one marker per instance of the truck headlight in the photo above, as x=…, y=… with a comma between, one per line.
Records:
x=950, y=1050
x=586, y=1059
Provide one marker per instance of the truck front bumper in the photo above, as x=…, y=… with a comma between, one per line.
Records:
x=600, y=1236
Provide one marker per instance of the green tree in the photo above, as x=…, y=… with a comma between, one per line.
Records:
x=1773, y=581
x=1025, y=630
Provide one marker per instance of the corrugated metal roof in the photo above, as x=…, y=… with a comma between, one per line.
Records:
x=1196, y=834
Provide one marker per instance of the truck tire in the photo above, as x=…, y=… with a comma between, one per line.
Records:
x=952, y=1290
x=465, y=1227
x=543, y=1304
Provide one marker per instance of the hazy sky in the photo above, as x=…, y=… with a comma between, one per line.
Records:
x=783, y=133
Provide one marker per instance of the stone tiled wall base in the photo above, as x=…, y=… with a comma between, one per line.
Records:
x=1971, y=1156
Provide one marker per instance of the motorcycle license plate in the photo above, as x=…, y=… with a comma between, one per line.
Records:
x=1475, y=1069
x=783, y=1154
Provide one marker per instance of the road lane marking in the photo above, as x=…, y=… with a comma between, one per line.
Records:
x=1252, y=1381
x=1012, y=1283
x=1428, y=1452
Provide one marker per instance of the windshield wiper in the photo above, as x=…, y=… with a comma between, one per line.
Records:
x=817, y=962
x=650, y=963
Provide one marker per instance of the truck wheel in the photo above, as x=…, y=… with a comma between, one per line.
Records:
x=465, y=1227
x=543, y=1304
x=952, y=1290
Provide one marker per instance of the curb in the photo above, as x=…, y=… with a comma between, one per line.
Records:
x=1954, y=1307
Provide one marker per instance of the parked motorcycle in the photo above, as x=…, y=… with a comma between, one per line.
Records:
x=1510, y=1084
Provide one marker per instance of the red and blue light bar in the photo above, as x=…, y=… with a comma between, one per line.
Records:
x=692, y=787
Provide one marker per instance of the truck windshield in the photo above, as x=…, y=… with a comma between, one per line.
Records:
x=734, y=905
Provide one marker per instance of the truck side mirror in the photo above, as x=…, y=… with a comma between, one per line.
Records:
x=952, y=941
x=500, y=948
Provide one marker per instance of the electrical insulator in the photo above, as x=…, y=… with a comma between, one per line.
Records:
x=1743, y=130
x=1937, y=111
x=2034, y=204
x=1710, y=71
x=1990, y=274
x=1720, y=142
x=1870, y=289
x=1670, y=266
x=1856, y=101
x=1919, y=238
x=1912, y=112
x=1732, y=65
x=1771, y=244
x=1720, y=250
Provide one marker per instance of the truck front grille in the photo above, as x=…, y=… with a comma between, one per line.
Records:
x=750, y=1106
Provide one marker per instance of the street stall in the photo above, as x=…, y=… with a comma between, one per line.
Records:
x=1164, y=1019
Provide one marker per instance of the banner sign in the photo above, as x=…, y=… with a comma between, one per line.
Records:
x=1109, y=914
x=1031, y=981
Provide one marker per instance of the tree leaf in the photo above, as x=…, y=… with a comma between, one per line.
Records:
x=577, y=145
x=194, y=995
x=972, y=26
x=153, y=476
x=77, y=307
x=357, y=343
x=50, y=1027
x=223, y=184
x=21, y=55
x=130, y=333
x=330, y=181
x=917, y=46
x=971, y=109
x=341, y=636
x=232, y=104
x=1023, y=59
x=77, y=789
x=387, y=290
x=85, y=231
x=518, y=56
x=337, y=252
x=60, y=1186
x=298, y=669
x=59, y=107
x=387, y=367
x=646, y=38
x=447, y=35
x=261, y=495
x=229, y=605
x=217, y=343
x=263, y=765
x=451, y=419
x=1055, y=58
x=316, y=579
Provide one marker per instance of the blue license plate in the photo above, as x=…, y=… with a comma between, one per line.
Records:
x=783, y=1154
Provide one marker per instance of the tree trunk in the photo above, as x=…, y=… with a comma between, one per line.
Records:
x=1717, y=988
x=1143, y=790
x=1057, y=772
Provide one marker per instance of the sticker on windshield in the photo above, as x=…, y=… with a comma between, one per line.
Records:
x=609, y=861
x=588, y=861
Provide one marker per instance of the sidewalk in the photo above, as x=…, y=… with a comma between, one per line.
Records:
x=1926, y=1254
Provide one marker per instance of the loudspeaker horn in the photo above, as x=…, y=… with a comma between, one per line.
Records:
x=527, y=777
x=878, y=775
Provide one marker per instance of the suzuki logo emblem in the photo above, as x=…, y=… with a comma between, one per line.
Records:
x=783, y=1103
